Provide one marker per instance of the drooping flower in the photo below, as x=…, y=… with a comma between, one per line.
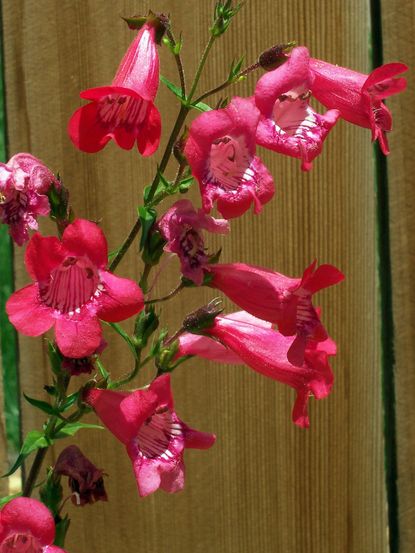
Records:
x=221, y=153
x=85, y=479
x=213, y=350
x=72, y=290
x=181, y=227
x=155, y=437
x=357, y=96
x=24, y=183
x=288, y=124
x=27, y=526
x=279, y=299
x=124, y=111
x=266, y=351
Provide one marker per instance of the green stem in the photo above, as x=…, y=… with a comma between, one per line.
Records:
x=179, y=63
x=200, y=67
x=125, y=245
x=228, y=82
x=170, y=295
x=130, y=376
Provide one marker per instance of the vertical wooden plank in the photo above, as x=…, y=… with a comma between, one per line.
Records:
x=266, y=485
x=398, y=21
x=4, y=488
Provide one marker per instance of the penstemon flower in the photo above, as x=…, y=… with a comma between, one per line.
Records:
x=266, y=351
x=85, y=479
x=124, y=111
x=27, y=526
x=279, y=299
x=72, y=290
x=155, y=437
x=357, y=96
x=288, y=124
x=181, y=227
x=24, y=183
x=221, y=153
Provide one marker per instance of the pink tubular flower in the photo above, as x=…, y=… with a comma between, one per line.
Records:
x=289, y=125
x=202, y=346
x=221, y=153
x=24, y=183
x=124, y=111
x=181, y=227
x=266, y=350
x=72, y=290
x=279, y=299
x=357, y=96
x=155, y=437
x=27, y=526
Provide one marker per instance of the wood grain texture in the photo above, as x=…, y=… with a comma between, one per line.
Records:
x=266, y=485
x=399, y=45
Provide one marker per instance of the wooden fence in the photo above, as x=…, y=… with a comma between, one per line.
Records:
x=266, y=485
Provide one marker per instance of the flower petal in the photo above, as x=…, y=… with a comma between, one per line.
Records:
x=148, y=138
x=84, y=237
x=78, y=335
x=27, y=313
x=43, y=254
x=120, y=299
x=85, y=130
x=24, y=515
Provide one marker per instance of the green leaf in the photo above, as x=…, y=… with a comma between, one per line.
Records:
x=119, y=330
x=42, y=405
x=185, y=184
x=177, y=91
x=201, y=106
x=33, y=441
x=72, y=428
x=148, y=216
x=4, y=500
x=61, y=529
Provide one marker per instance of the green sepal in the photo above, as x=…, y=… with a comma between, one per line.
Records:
x=51, y=492
x=145, y=324
x=235, y=69
x=207, y=279
x=61, y=529
x=201, y=106
x=70, y=401
x=224, y=12
x=185, y=184
x=166, y=356
x=148, y=216
x=154, y=248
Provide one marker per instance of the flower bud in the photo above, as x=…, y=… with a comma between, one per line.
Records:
x=203, y=317
x=275, y=56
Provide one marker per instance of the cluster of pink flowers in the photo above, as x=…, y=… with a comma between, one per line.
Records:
x=279, y=333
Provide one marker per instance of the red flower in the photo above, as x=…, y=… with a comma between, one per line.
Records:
x=155, y=437
x=289, y=125
x=221, y=153
x=72, y=290
x=279, y=299
x=124, y=111
x=357, y=96
x=266, y=351
x=27, y=526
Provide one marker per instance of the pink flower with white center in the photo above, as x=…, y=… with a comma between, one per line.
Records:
x=181, y=227
x=124, y=111
x=266, y=351
x=279, y=299
x=221, y=153
x=24, y=183
x=72, y=290
x=27, y=526
x=357, y=96
x=155, y=437
x=289, y=125
x=213, y=350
